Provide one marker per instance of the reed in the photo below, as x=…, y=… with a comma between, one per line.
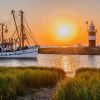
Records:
x=84, y=86
x=15, y=81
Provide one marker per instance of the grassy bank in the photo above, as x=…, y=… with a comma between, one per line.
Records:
x=84, y=86
x=15, y=81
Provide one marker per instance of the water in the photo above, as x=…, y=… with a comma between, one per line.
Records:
x=67, y=62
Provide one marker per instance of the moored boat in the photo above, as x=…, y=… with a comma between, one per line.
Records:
x=16, y=47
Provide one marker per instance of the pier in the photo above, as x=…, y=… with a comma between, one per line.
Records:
x=71, y=50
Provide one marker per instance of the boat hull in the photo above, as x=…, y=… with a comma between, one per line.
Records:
x=22, y=54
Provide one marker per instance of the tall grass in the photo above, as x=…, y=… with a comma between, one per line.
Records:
x=15, y=81
x=84, y=86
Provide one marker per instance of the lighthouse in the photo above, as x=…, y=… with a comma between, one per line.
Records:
x=92, y=35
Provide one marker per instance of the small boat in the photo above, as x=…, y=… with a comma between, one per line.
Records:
x=16, y=47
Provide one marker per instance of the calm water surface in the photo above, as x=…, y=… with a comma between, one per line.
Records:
x=67, y=62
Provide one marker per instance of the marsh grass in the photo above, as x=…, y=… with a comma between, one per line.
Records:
x=15, y=81
x=84, y=86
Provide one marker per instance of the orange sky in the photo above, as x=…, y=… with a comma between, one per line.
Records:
x=46, y=17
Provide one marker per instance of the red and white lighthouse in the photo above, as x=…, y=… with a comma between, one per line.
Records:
x=92, y=35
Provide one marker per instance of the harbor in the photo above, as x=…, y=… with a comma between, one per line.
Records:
x=49, y=50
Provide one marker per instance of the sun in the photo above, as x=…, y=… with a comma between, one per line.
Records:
x=64, y=31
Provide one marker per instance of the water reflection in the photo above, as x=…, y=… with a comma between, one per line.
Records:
x=92, y=61
x=17, y=63
x=67, y=62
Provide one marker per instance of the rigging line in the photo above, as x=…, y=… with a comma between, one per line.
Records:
x=31, y=37
x=16, y=38
x=16, y=34
x=14, y=18
x=31, y=32
x=31, y=41
x=28, y=41
x=13, y=34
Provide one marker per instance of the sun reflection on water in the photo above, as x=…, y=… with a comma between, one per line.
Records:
x=69, y=63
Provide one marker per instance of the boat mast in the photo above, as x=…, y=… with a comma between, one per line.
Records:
x=16, y=26
x=2, y=34
x=22, y=28
x=3, y=29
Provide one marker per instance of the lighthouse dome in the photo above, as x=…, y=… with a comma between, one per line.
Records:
x=92, y=26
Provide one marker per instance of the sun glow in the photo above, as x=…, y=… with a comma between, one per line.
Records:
x=65, y=31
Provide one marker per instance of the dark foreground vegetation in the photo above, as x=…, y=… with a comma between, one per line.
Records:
x=84, y=86
x=15, y=81
x=48, y=84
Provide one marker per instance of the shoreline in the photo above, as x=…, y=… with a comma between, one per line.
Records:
x=70, y=50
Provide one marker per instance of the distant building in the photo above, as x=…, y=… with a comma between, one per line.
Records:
x=92, y=35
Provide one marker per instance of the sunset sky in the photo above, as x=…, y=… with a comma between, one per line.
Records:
x=56, y=22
